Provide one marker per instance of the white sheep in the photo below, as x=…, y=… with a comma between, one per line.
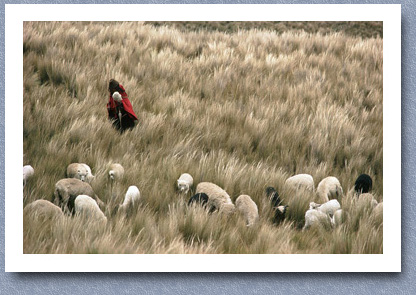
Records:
x=184, y=182
x=329, y=188
x=216, y=195
x=86, y=206
x=248, y=208
x=116, y=172
x=328, y=208
x=43, y=209
x=67, y=189
x=301, y=181
x=28, y=172
x=132, y=197
x=314, y=217
x=79, y=171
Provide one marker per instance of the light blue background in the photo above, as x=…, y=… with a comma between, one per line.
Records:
x=245, y=283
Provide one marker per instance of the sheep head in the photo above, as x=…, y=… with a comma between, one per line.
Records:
x=313, y=205
x=183, y=186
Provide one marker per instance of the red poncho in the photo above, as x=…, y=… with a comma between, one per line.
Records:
x=125, y=103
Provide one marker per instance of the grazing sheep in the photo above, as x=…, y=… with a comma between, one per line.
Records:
x=129, y=205
x=301, y=181
x=216, y=196
x=363, y=184
x=329, y=188
x=246, y=206
x=279, y=209
x=184, y=182
x=199, y=198
x=86, y=206
x=43, y=210
x=132, y=197
x=67, y=189
x=314, y=217
x=328, y=208
x=116, y=172
x=273, y=196
x=28, y=172
x=279, y=214
x=79, y=171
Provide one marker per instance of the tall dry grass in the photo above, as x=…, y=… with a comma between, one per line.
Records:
x=244, y=110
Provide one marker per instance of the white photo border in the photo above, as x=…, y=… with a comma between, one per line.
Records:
x=389, y=261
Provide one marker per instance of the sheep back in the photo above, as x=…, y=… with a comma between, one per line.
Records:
x=315, y=218
x=248, y=208
x=216, y=195
x=298, y=181
x=67, y=189
x=329, y=207
x=363, y=184
x=86, y=206
x=132, y=195
x=43, y=209
x=329, y=188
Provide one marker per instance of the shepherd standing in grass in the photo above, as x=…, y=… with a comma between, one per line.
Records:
x=120, y=110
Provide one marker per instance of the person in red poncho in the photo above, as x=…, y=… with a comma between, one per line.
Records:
x=120, y=110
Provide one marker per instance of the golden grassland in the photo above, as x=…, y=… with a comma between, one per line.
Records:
x=353, y=28
x=244, y=109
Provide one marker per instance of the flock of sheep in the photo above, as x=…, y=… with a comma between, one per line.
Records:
x=75, y=196
x=329, y=189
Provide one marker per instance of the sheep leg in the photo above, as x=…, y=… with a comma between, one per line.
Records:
x=111, y=189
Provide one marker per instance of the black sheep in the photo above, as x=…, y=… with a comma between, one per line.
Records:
x=363, y=184
x=200, y=198
x=273, y=196
x=278, y=208
x=279, y=214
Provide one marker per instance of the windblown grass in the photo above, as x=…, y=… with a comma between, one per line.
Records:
x=244, y=109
